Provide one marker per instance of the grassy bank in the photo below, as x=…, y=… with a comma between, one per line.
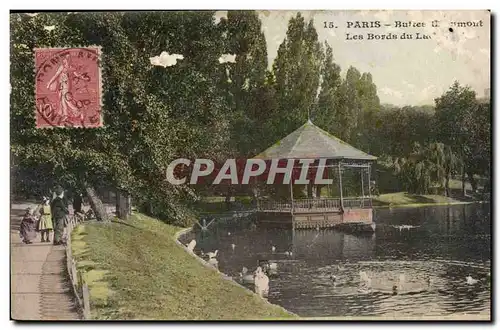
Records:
x=402, y=199
x=135, y=270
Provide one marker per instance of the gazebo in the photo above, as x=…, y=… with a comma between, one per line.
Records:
x=334, y=156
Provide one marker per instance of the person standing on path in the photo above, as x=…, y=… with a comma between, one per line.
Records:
x=77, y=203
x=45, y=225
x=27, y=230
x=59, y=212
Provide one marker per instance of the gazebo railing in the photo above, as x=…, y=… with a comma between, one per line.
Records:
x=311, y=204
x=358, y=202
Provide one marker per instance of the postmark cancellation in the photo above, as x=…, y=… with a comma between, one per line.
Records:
x=68, y=87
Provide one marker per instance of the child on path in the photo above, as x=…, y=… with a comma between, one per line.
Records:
x=27, y=230
x=45, y=225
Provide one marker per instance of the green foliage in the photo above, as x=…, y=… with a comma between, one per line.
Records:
x=425, y=167
x=296, y=72
x=152, y=114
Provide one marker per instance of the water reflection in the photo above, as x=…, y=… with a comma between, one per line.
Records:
x=445, y=245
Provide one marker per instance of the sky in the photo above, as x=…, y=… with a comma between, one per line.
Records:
x=406, y=72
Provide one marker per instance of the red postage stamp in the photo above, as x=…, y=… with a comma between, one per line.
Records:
x=68, y=87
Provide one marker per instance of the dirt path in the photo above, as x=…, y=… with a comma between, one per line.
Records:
x=40, y=288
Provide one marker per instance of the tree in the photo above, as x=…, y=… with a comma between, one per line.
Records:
x=245, y=84
x=296, y=72
x=327, y=114
x=454, y=110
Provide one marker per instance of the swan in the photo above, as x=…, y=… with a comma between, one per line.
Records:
x=401, y=281
x=273, y=248
x=212, y=254
x=366, y=281
x=470, y=280
x=213, y=262
x=270, y=268
x=233, y=246
x=261, y=282
x=246, y=277
x=429, y=281
x=191, y=245
x=363, y=289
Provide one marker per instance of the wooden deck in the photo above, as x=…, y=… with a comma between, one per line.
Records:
x=317, y=213
x=321, y=205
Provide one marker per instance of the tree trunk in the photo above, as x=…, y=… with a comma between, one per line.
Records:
x=464, y=192
x=447, y=185
x=310, y=190
x=96, y=204
x=122, y=207
x=472, y=181
x=229, y=194
x=318, y=192
x=129, y=204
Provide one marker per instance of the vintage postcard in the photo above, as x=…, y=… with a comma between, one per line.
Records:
x=251, y=165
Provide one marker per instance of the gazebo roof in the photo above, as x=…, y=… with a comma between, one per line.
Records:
x=311, y=142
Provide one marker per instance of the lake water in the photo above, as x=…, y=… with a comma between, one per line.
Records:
x=428, y=263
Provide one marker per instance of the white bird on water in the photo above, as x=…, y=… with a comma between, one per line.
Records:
x=233, y=246
x=261, y=283
x=406, y=227
x=402, y=280
x=213, y=262
x=470, y=280
x=245, y=277
x=273, y=248
x=212, y=254
x=365, y=282
x=191, y=245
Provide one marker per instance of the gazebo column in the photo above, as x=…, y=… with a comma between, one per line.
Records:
x=362, y=184
x=291, y=196
x=369, y=185
x=369, y=181
x=340, y=186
